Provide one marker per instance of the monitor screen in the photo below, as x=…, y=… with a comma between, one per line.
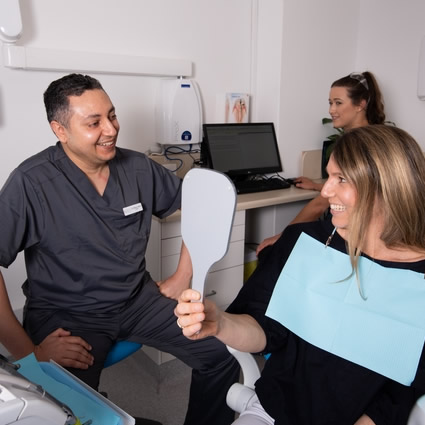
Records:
x=241, y=150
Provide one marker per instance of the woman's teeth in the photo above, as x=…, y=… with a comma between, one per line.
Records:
x=336, y=207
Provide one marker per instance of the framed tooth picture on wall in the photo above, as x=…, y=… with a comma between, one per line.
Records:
x=232, y=108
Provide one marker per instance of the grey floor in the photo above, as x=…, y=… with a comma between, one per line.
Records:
x=141, y=388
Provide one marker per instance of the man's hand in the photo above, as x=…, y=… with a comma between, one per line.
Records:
x=173, y=286
x=65, y=349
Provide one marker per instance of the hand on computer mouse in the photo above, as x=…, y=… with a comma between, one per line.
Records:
x=308, y=184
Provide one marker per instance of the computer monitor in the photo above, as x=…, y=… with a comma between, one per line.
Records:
x=242, y=150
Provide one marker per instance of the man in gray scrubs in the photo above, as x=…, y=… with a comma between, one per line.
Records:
x=81, y=211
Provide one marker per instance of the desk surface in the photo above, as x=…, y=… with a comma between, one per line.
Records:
x=249, y=201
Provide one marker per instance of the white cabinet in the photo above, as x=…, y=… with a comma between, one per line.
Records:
x=225, y=278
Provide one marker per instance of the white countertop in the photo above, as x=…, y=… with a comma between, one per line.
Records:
x=249, y=201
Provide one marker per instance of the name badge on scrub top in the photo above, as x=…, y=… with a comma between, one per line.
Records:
x=132, y=209
x=384, y=332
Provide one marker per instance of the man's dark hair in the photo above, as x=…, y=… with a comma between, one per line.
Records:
x=56, y=97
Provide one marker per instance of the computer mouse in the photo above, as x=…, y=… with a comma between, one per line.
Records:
x=291, y=181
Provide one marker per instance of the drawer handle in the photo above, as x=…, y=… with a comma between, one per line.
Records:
x=211, y=294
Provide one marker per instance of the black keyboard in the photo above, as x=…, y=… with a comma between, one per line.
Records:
x=251, y=186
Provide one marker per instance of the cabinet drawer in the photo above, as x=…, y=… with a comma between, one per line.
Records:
x=172, y=246
x=222, y=286
x=173, y=228
x=239, y=218
x=234, y=257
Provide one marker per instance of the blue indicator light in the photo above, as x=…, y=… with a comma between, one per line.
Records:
x=186, y=135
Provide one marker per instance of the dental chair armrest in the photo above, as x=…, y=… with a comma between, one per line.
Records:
x=239, y=395
x=417, y=415
x=250, y=370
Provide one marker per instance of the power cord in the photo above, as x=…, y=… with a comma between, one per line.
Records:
x=175, y=150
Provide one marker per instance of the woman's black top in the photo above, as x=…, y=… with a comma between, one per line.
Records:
x=302, y=384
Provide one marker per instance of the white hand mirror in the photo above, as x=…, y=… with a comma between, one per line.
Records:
x=208, y=208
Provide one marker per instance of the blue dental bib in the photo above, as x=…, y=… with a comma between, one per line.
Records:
x=385, y=332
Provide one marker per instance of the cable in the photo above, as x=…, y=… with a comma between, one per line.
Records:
x=176, y=150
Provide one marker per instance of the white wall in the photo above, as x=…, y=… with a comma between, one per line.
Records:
x=218, y=44
x=389, y=40
x=319, y=45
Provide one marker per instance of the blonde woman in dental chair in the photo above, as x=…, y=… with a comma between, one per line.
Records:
x=338, y=304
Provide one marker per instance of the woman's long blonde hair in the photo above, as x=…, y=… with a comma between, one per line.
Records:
x=384, y=164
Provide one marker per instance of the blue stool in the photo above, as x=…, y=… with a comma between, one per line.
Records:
x=119, y=351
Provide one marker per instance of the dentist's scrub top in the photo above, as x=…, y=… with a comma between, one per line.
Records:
x=83, y=251
x=302, y=384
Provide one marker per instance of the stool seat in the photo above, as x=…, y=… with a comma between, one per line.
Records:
x=120, y=350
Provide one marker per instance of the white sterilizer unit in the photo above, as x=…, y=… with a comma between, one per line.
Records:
x=178, y=112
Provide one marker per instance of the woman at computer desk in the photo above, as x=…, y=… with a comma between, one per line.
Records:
x=354, y=101
x=338, y=303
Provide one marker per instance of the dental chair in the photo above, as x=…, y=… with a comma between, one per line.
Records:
x=239, y=395
x=33, y=393
x=417, y=416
